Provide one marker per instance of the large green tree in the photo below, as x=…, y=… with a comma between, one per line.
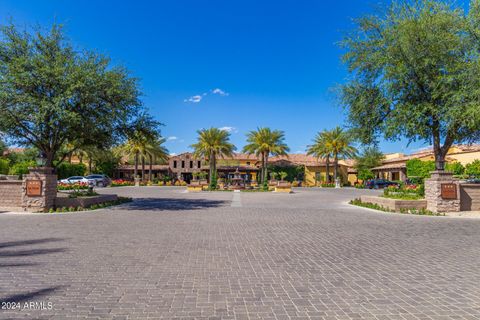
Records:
x=52, y=95
x=415, y=73
x=369, y=158
x=264, y=142
x=213, y=143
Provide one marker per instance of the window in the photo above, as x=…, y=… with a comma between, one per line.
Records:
x=248, y=163
x=199, y=164
x=175, y=163
x=183, y=163
x=191, y=164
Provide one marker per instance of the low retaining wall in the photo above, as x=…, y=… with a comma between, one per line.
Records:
x=63, y=200
x=11, y=192
x=395, y=204
x=469, y=197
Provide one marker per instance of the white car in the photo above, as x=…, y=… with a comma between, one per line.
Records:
x=78, y=179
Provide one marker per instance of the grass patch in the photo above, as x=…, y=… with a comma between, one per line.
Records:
x=403, y=196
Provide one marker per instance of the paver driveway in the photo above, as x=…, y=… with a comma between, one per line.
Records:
x=228, y=256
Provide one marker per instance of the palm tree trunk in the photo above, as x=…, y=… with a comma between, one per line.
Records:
x=262, y=171
x=335, y=173
x=150, y=167
x=135, y=171
x=327, y=178
x=143, y=167
x=212, y=165
x=266, y=166
x=70, y=157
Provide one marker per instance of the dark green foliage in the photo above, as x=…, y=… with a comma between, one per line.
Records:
x=415, y=74
x=419, y=169
x=4, y=166
x=473, y=169
x=213, y=181
x=293, y=172
x=65, y=170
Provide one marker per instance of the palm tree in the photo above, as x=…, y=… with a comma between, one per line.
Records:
x=156, y=152
x=135, y=146
x=319, y=149
x=265, y=142
x=213, y=143
x=339, y=143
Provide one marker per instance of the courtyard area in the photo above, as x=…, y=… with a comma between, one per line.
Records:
x=223, y=255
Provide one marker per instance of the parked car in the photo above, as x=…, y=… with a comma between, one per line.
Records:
x=78, y=179
x=379, y=183
x=474, y=180
x=101, y=180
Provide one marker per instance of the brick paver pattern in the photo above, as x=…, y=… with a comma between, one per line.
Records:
x=176, y=255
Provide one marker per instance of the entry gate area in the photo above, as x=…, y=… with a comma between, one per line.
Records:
x=469, y=197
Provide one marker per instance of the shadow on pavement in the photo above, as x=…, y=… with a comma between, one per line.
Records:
x=27, y=242
x=161, y=204
x=30, y=296
x=8, y=250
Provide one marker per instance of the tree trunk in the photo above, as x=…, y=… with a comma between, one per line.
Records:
x=90, y=165
x=335, y=172
x=48, y=159
x=143, y=167
x=212, y=166
x=262, y=171
x=135, y=171
x=266, y=166
x=70, y=157
x=150, y=167
x=327, y=178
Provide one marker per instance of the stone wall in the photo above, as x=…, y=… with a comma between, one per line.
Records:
x=11, y=195
x=48, y=193
x=84, y=202
x=470, y=197
x=433, y=193
x=395, y=204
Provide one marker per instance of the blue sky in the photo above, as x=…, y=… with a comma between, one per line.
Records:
x=275, y=63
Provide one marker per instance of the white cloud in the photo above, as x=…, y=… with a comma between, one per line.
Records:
x=173, y=154
x=220, y=92
x=198, y=98
x=229, y=129
x=194, y=99
x=172, y=138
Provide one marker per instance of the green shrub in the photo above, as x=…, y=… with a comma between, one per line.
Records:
x=473, y=169
x=366, y=174
x=21, y=168
x=65, y=170
x=419, y=168
x=455, y=167
x=4, y=166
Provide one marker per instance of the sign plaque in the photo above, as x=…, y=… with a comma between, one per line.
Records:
x=449, y=191
x=34, y=188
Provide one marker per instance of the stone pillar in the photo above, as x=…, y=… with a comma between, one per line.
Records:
x=402, y=175
x=39, y=190
x=433, y=192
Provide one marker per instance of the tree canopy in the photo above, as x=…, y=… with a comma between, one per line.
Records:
x=415, y=73
x=52, y=95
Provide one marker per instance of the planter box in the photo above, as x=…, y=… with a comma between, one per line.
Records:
x=284, y=186
x=84, y=202
x=395, y=204
x=194, y=188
